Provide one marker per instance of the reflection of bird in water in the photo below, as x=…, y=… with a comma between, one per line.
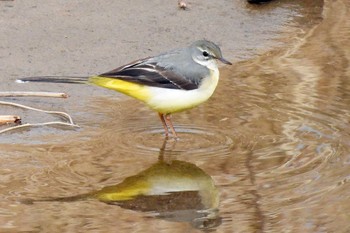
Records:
x=177, y=191
x=172, y=190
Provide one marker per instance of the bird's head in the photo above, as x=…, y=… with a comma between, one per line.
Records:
x=207, y=53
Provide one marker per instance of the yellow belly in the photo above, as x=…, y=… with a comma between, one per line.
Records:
x=134, y=90
x=163, y=100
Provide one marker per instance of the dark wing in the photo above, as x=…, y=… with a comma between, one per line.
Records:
x=151, y=74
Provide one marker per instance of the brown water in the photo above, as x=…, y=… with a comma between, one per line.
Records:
x=270, y=151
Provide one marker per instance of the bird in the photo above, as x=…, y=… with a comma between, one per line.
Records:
x=171, y=82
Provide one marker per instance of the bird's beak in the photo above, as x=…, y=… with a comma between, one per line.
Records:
x=223, y=60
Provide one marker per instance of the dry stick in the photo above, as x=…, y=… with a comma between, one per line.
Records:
x=39, y=110
x=9, y=119
x=65, y=115
x=38, y=124
x=32, y=94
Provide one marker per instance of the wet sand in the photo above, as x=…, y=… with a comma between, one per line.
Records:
x=270, y=147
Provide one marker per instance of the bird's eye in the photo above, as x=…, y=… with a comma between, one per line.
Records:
x=205, y=54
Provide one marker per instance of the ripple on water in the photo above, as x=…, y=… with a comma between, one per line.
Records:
x=192, y=140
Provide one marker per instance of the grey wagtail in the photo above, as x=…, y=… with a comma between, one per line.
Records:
x=171, y=82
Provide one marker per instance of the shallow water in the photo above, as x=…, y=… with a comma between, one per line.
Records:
x=270, y=151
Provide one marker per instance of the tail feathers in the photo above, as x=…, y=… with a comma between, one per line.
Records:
x=54, y=79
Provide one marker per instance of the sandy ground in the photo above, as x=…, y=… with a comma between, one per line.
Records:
x=87, y=38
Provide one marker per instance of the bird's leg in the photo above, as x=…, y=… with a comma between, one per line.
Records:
x=162, y=119
x=167, y=118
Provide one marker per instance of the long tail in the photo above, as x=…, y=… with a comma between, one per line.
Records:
x=55, y=79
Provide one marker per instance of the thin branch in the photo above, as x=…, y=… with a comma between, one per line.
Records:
x=32, y=94
x=65, y=115
x=38, y=124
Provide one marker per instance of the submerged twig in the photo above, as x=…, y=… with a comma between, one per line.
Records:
x=32, y=94
x=38, y=124
x=65, y=115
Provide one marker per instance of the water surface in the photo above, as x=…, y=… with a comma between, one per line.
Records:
x=269, y=152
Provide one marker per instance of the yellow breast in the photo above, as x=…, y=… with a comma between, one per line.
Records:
x=163, y=100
